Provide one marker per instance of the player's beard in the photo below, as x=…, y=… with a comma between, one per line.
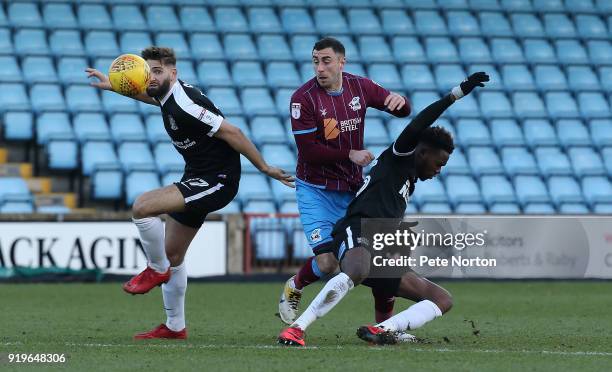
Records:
x=159, y=91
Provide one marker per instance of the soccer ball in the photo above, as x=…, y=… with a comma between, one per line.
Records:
x=129, y=75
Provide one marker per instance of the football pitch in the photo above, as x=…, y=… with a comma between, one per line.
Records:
x=494, y=326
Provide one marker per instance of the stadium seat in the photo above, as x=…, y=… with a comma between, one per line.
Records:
x=289, y=207
x=82, y=98
x=17, y=207
x=559, y=26
x=496, y=189
x=126, y=127
x=186, y=73
x=539, y=51
x=552, y=162
x=495, y=81
x=596, y=189
x=504, y=208
x=448, y=76
x=470, y=208
x=506, y=132
x=561, y=105
x=591, y=27
x=167, y=159
x=62, y=154
x=386, y=75
x=47, y=97
x=206, y=47
x=374, y=49
x=462, y=23
x=375, y=133
x=38, y=70
x=602, y=208
x=484, y=5
x=139, y=182
x=279, y=155
x=13, y=97
x=457, y=164
x=283, y=75
x=257, y=101
x=24, y=15
x=530, y=189
x=484, y=160
x=178, y=42
x=6, y=43
x=441, y=50
x=396, y=22
x=107, y=183
x=407, y=49
x=429, y=191
x=570, y=52
x=90, y=126
x=506, y=51
x=526, y=25
x=10, y=73
x=549, y=78
x=254, y=187
x=102, y=20
x=548, y=6
x=468, y=108
x=274, y=48
x=351, y=68
x=247, y=74
x=282, y=98
x=351, y=51
x=154, y=127
x=474, y=50
x=494, y=105
x=18, y=126
x=269, y=243
x=239, y=47
x=134, y=42
x=128, y=17
x=600, y=52
x=30, y=42
x=363, y=22
x=573, y=208
x=517, y=77
x=226, y=99
x=461, y=189
x=572, y=132
x=267, y=129
x=539, y=132
x=71, y=70
x=162, y=18
x=605, y=75
x=564, y=189
x=579, y=6
x=417, y=77
x=263, y=20
x=494, y=24
x=214, y=73
x=436, y=208
x=59, y=16
x=517, y=160
x=101, y=44
x=586, y=162
x=593, y=105
x=582, y=78
x=330, y=21
x=429, y=23
x=538, y=208
x=135, y=156
x=96, y=153
x=422, y=99
x=66, y=43
x=196, y=19
x=601, y=132
x=297, y=20
x=301, y=47
x=528, y=105
x=113, y=102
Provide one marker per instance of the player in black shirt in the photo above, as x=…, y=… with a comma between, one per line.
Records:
x=211, y=147
x=419, y=153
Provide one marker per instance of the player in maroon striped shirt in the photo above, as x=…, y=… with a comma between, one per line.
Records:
x=328, y=118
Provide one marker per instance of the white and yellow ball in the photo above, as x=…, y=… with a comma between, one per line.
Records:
x=129, y=75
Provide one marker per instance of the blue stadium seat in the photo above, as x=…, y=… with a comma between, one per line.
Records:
x=539, y=51
x=263, y=20
x=107, y=183
x=600, y=52
x=66, y=43
x=139, y=182
x=572, y=132
x=470, y=208
x=297, y=20
x=113, y=102
x=18, y=126
x=301, y=47
x=330, y=21
x=571, y=52
x=602, y=208
x=396, y=22
x=429, y=191
x=239, y=47
x=196, y=19
x=247, y=166
x=154, y=127
x=530, y=189
x=552, y=162
x=496, y=189
x=591, y=27
x=167, y=159
x=407, y=49
x=467, y=108
x=226, y=99
x=593, y=105
x=517, y=160
x=3, y=19
x=102, y=64
x=549, y=78
x=206, y=47
x=586, y=162
x=564, y=189
x=474, y=50
x=14, y=188
x=96, y=153
x=134, y=41
x=457, y=164
x=102, y=20
x=214, y=73
x=13, y=97
x=363, y=22
x=257, y=101
x=10, y=72
x=528, y=105
x=375, y=133
x=24, y=15
x=90, y=126
x=452, y=4
x=6, y=43
x=248, y=74
x=573, y=208
x=282, y=98
x=283, y=75
x=38, y=70
x=127, y=127
x=280, y=155
x=561, y=105
x=178, y=42
x=462, y=23
x=596, y=189
x=582, y=78
x=240, y=122
x=351, y=68
x=605, y=76
x=441, y=50
x=548, y=6
x=484, y=160
x=289, y=207
x=47, y=97
x=273, y=48
x=267, y=129
x=484, y=5
x=230, y=19
x=71, y=70
x=101, y=44
x=506, y=132
x=59, y=16
x=254, y=187
x=351, y=50
x=374, y=49
x=420, y=100
x=128, y=17
x=505, y=208
x=462, y=189
x=62, y=154
x=494, y=105
x=517, y=77
x=448, y=76
x=269, y=243
x=436, y=208
x=386, y=75
x=539, y=132
x=526, y=25
x=604, y=6
x=539, y=208
x=601, y=132
x=429, y=23
x=579, y=6
x=506, y=51
x=162, y=18
x=30, y=42
x=82, y=98
x=417, y=77
x=558, y=26
x=17, y=206
x=185, y=72
x=494, y=24
x=135, y=156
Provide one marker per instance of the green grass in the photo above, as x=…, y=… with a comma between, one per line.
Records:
x=522, y=326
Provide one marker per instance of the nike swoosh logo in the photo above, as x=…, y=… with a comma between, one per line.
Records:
x=281, y=301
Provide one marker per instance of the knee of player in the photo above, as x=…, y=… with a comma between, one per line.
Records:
x=327, y=263
x=444, y=302
x=141, y=208
x=175, y=258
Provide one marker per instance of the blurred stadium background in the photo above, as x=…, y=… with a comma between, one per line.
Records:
x=537, y=140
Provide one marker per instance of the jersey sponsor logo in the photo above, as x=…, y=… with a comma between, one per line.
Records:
x=330, y=125
x=405, y=191
x=350, y=124
x=185, y=144
x=206, y=116
x=197, y=182
x=315, y=235
x=323, y=111
x=296, y=109
x=355, y=104
x=173, y=125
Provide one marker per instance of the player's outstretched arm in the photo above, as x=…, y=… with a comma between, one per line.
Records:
x=409, y=138
x=104, y=83
x=239, y=142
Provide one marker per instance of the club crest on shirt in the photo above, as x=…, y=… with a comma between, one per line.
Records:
x=173, y=125
x=296, y=110
x=354, y=104
x=323, y=111
x=315, y=235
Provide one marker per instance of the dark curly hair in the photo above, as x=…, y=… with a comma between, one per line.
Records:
x=330, y=42
x=438, y=137
x=164, y=55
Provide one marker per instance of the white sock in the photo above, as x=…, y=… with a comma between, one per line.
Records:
x=413, y=317
x=335, y=289
x=174, y=297
x=151, y=230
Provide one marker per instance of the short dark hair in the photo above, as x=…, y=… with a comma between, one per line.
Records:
x=164, y=55
x=330, y=42
x=438, y=137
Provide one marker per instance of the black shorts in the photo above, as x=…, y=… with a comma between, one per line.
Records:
x=345, y=235
x=203, y=194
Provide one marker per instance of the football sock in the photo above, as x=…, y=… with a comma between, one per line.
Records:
x=174, y=297
x=413, y=317
x=309, y=273
x=151, y=230
x=335, y=289
x=383, y=306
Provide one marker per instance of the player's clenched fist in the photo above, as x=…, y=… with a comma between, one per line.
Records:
x=361, y=157
x=394, y=101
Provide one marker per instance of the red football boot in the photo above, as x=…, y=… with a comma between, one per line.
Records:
x=292, y=336
x=145, y=281
x=376, y=335
x=161, y=331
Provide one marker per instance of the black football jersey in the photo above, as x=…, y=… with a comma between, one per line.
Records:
x=191, y=120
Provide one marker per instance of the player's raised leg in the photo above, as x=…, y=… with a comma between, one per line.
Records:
x=146, y=211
